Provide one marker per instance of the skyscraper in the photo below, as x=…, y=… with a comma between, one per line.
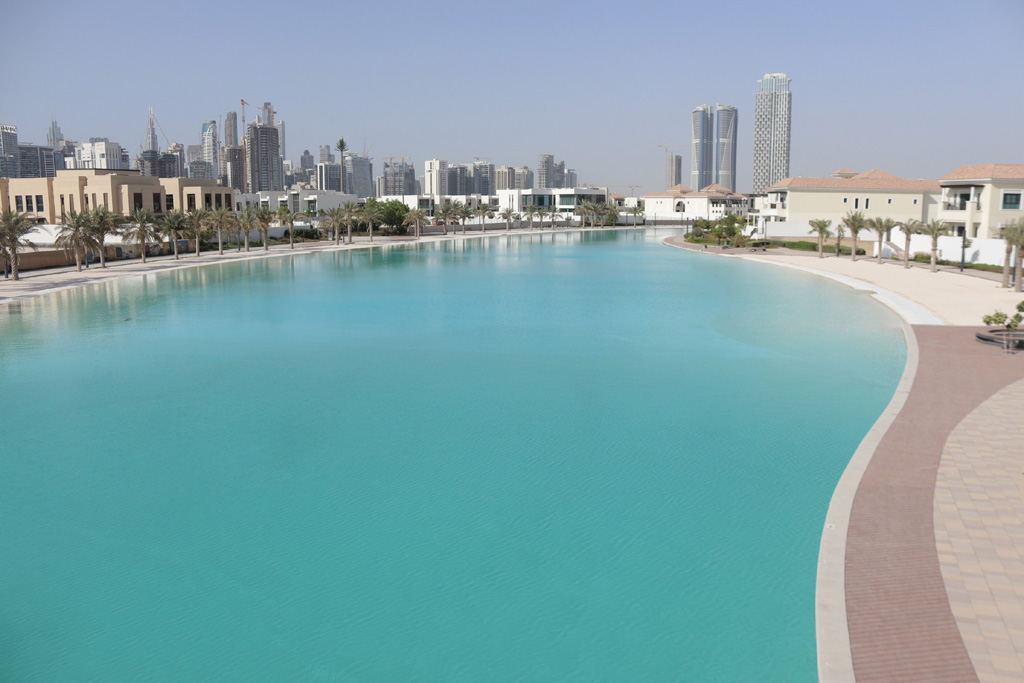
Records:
x=675, y=165
x=524, y=178
x=54, y=136
x=234, y=167
x=725, y=146
x=328, y=177
x=210, y=145
x=435, y=177
x=265, y=171
x=504, y=178
x=267, y=114
x=306, y=161
x=702, y=155
x=460, y=179
x=231, y=129
x=280, y=138
x=152, y=144
x=325, y=155
x=545, y=171
x=358, y=171
x=10, y=157
x=771, y=131
x=483, y=178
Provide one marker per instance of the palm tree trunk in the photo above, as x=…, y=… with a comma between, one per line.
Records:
x=103, y=253
x=371, y=231
x=881, y=243
x=15, y=262
x=266, y=239
x=174, y=239
x=247, y=239
x=935, y=253
x=220, y=241
x=142, y=248
x=350, y=233
x=821, y=246
x=78, y=260
x=291, y=236
x=853, y=252
x=1019, y=267
x=906, y=250
x=1006, y=264
x=197, y=244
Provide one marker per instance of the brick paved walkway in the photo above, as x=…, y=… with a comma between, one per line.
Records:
x=979, y=533
x=901, y=624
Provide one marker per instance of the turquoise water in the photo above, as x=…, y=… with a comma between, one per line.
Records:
x=547, y=458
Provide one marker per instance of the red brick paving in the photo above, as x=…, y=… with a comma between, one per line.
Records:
x=901, y=624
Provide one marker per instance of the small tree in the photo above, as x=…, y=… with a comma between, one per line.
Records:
x=910, y=227
x=506, y=215
x=1010, y=323
x=854, y=222
x=140, y=230
x=484, y=211
x=820, y=226
x=14, y=226
x=76, y=236
x=935, y=229
x=104, y=223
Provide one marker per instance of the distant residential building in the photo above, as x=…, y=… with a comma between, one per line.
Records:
x=460, y=180
x=726, y=126
x=571, y=178
x=280, y=137
x=326, y=157
x=210, y=144
x=265, y=171
x=234, y=167
x=306, y=160
x=148, y=162
x=10, y=157
x=772, y=111
x=675, y=165
x=483, y=178
x=397, y=178
x=564, y=199
x=524, y=178
x=358, y=171
x=545, y=171
x=702, y=147
x=328, y=177
x=36, y=161
x=435, y=177
x=231, y=129
x=99, y=153
x=504, y=178
x=178, y=152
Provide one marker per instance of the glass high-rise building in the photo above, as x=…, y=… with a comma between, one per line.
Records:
x=702, y=148
x=725, y=146
x=771, y=131
x=210, y=147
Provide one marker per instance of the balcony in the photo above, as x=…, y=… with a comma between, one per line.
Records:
x=962, y=205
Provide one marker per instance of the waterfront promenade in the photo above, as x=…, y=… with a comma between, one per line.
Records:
x=921, y=570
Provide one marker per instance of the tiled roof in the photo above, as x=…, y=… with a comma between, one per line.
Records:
x=717, y=188
x=844, y=171
x=979, y=171
x=674, y=191
x=874, y=179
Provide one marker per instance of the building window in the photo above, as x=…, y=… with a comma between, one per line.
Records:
x=85, y=198
x=137, y=200
x=191, y=202
x=39, y=202
x=846, y=200
x=867, y=203
x=219, y=201
x=890, y=201
x=1011, y=200
x=156, y=202
x=170, y=202
x=28, y=203
x=208, y=203
x=62, y=211
x=19, y=204
x=856, y=203
x=915, y=202
x=106, y=201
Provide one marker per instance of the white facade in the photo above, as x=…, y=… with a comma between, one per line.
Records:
x=771, y=131
x=98, y=155
x=435, y=179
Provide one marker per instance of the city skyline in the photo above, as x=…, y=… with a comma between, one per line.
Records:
x=892, y=107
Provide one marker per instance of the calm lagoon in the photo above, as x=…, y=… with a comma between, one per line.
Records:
x=550, y=457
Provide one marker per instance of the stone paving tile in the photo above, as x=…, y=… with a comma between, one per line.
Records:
x=976, y=536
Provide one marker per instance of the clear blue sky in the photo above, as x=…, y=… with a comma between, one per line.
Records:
x=915, y=87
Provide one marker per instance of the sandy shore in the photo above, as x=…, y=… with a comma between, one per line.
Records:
x=948, y=298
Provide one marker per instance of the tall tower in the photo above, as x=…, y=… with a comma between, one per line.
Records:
x=725, y=146
x=264, y=159
x=10, y=158
x=54, y=136
x=152, y=143
x=545, y=172
x=675, y=165
x=771, y=131
x=210, y=148
x=231, y=129
x=435, y=177
x=702, y=148
x=280, y=137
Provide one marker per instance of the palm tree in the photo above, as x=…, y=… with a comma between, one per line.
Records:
x=334, y=220
x=935, y=229
x=610, y=213
x=444, y=214
x=506, y=215
x=821, y=227
x=140, y=230
x=910, y=227
x=840, y=234
x=484, y=211
x=371, y=214
x=264, y=217
x=555, y=214
x=173, y=225
x=248, y=220
x=1014, y=236
x=415, y=218
x=220, y=220
x=635, y=210
x=75, y=236
x=581, y=209
x=854, y=222
x=463, y=212
x=14, y=225
x=352, y=214
x=104, y=222
x=286, y=217
x=531, y=210
x=882, y=226
x=198, y=221
x=342, y=147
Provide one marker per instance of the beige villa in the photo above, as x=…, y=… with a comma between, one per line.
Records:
x=121, y=191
